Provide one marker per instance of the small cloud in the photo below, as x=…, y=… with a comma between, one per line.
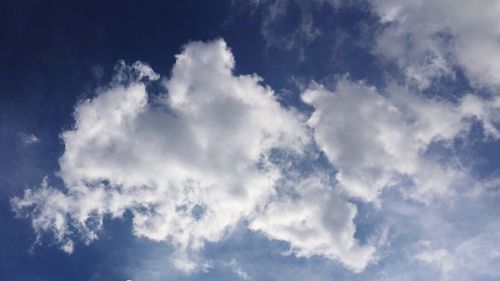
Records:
x=438, y=257
x=236, y=269
x=29, y=139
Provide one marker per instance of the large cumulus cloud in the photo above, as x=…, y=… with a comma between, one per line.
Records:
x=188, y=164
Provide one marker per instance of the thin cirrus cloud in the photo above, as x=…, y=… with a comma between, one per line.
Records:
x=191, y=163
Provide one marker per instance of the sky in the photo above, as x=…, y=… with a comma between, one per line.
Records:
x=249, y=140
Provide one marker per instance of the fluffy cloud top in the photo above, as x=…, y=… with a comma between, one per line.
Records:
x=214, y=150
x=192, y=162
x=188, y=164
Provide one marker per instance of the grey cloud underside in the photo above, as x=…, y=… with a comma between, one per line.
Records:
x=215, y=149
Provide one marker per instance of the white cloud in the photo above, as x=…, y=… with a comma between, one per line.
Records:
x=428, y=38
x=316, y=221
x=28, y=139
x=377, y=141
x=188, y=164
x=191, y=163
x=438, y=257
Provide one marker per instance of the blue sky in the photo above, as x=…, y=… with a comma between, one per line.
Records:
x=249, y=140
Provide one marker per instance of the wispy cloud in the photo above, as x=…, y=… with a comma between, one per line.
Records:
x=28, y=139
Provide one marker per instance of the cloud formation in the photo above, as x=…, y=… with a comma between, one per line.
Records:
x=212, y=150
x=429, y=39
x=378, y=141
x=316, y=221
x=188, y=164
